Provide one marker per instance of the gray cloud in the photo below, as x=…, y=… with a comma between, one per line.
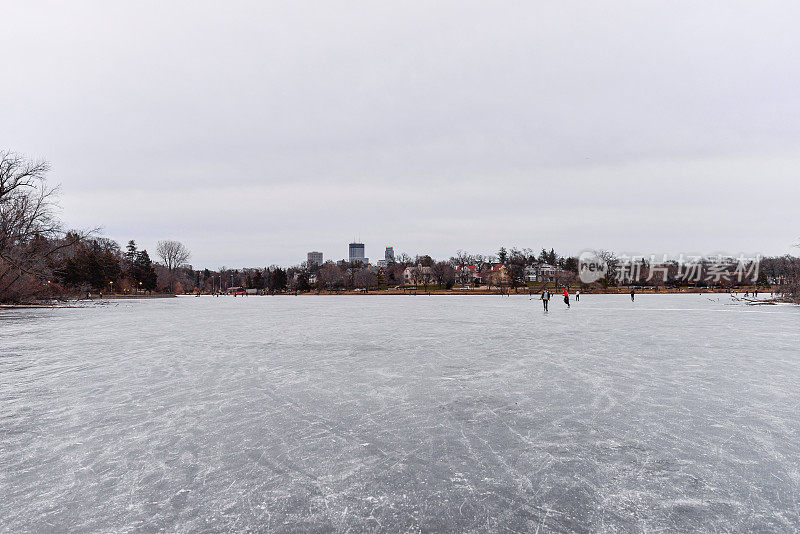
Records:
x=261, y=130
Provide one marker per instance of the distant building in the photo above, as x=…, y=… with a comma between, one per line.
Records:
x=389, y=255
x=466, y=274
x=382, y=264
x=314, y=258
x=541, y=272
x=496, y=276
x=357, y=253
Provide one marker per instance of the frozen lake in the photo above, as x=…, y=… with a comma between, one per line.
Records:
x=401, y=413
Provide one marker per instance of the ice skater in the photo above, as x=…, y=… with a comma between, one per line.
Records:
x=633, y=295
x=578, y=295
x=545, y=298
x=566, y=298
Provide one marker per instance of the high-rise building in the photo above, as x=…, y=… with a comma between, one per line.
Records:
x=314, y=258
x=389, y=255
x=357, y=253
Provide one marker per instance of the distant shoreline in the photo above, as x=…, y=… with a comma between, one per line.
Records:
x=411, y=292
x=81, y=303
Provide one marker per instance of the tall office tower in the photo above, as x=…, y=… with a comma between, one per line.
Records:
x=357, y=253
x=314, y=258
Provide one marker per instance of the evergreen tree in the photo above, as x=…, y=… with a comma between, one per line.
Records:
x=277, y=279
x=258, y=280
x=543, y=256
x=144, y=271
x=502, y=255
x=571, y=264
x=302, y=283
x=130, y=251
x=94, y=265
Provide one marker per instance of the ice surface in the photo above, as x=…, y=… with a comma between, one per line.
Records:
x=401, y=413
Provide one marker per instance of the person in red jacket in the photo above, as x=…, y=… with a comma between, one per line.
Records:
x=566, y=298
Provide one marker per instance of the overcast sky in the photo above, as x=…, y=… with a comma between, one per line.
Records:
x=257, y=131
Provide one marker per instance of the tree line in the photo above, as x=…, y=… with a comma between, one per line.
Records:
x=40, y=259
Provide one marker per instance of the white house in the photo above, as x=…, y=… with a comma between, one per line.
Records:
x=541, y=272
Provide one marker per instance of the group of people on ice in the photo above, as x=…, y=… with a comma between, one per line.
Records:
x=545, y=297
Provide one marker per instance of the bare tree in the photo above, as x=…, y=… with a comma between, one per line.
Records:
x=173, y=254
x=516, y=263
x=365, y=278
x=395, y=274
x=482, y=262
x=330, y=276
x=30, y=233
x=462, y=258
x=416, y=274
x=444, y=274
x=403, y=259
x=422, y=274
x=611, y=265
